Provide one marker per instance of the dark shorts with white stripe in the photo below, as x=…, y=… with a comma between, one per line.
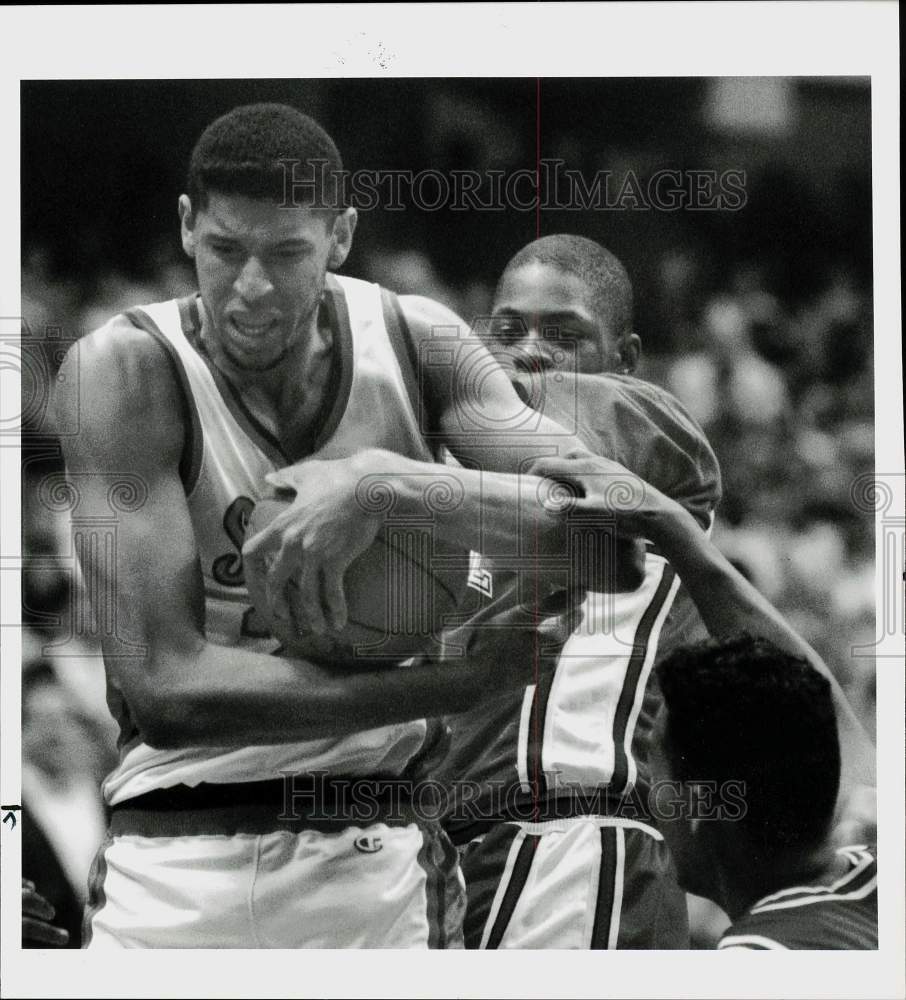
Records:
x=585, y=882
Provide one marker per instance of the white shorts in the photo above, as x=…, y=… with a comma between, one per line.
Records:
x=232, y=882
x=585, y=882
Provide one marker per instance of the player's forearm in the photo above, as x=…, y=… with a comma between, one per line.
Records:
x=223, y=696
x=513, y=450
x=726, y=601
x=729, y=604
x=503, y=516
x=495, y=513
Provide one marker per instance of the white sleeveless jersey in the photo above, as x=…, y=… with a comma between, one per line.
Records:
x=227, y=454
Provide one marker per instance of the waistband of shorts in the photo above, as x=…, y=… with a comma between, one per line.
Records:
x=296, y=803
x=598, y=804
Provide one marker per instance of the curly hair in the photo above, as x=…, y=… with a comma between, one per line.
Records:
x=609, y=286
x=267, y=151
x=741, y=709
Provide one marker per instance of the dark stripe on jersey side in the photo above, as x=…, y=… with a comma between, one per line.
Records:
x=518, y=878
x=537, y=718
x=633, y=673
x=600, y=932
x=190, y=317
x=403, y=348
x=97, y=897
x=342, y=364
x=193, y=440
x=434, y=890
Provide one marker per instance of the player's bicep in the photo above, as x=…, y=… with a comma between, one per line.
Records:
x=137, y=551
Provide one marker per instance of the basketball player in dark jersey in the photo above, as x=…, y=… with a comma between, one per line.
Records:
x=558, y=848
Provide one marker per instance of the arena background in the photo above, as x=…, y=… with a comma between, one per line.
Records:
x=759, y=319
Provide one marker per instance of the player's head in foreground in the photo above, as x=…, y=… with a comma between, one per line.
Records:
x=564, y=303
x=749, y=732
x=263, y=219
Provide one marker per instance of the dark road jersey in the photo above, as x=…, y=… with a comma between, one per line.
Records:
x=841, y=916
x=585, y=725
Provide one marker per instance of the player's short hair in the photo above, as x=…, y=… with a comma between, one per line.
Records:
x=267, y=151
x=741, y=709
x=598, y=269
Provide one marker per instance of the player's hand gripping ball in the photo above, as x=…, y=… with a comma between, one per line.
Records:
x=398, y=594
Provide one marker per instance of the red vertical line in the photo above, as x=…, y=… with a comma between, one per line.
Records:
x=109, y=626
x=536, y=763
x=86, y=583
x=537, y=167
x=95, y=582
x=536, y=650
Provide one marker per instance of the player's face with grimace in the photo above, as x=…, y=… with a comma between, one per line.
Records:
x=261, y=270
x=544, y=318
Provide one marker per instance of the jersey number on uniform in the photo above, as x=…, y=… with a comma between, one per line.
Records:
x=228, y=570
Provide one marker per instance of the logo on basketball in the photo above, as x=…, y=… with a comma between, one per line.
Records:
x=368, y=845
x=479, y=579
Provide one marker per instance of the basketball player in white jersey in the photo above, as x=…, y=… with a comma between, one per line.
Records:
x=230, y=826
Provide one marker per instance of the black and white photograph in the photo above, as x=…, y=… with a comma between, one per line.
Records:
x=453, y=501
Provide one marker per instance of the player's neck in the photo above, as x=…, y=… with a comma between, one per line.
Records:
x=744, y=884
x=301, y=364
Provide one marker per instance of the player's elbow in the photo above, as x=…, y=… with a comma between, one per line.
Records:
x=167, y=710
x=161, y=734
x=166, y=724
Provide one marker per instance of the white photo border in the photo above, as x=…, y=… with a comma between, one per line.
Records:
x=435, y=40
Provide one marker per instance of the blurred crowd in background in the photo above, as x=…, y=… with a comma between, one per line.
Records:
x=759, y=320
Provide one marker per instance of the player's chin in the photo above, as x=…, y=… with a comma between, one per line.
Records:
x=258, y=357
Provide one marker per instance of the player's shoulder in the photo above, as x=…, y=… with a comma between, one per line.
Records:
x=840, y=915
x=119, y=375
x=121, y=349
x=422, y=315
x=425, y=315
x=655, y=401
x=649, y=430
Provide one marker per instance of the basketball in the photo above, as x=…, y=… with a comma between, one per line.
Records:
x=399, y=594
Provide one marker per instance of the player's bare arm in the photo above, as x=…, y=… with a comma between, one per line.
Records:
x=726, y=601
x=181, y=689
